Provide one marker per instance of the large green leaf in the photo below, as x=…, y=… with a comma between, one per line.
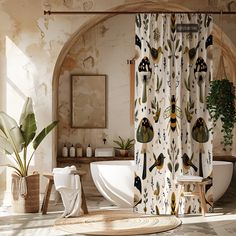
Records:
x=26, y=110
x=43, y=134
x=28, y=128
x=4, y=143
x=12, y=132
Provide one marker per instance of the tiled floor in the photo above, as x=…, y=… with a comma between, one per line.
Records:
x=222, y=222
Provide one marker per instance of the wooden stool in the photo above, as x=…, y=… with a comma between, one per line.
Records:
x=200, y=187
x=48, y=189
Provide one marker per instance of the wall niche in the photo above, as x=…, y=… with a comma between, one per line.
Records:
x=102, y=50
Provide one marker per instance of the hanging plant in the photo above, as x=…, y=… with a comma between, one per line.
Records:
x=221, y=105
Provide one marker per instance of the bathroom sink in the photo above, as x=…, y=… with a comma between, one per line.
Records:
x=104, y=152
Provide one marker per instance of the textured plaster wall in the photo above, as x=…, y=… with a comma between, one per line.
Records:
x=104, y=49
x=30, y=45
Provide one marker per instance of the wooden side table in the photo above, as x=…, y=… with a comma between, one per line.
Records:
x=48, y=190
x=200, y=187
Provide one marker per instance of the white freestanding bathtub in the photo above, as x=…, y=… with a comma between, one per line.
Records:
x=222, y=175
x=115, y=180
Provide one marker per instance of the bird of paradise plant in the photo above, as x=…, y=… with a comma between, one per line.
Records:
x=15, y=139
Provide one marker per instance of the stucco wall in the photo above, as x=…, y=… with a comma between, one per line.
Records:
x=104, y=49
x=30, y=45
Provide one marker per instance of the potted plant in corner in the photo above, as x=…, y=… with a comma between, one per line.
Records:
x=15, y=140
x=124, y=146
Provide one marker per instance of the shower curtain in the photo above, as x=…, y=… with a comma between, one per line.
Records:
x=172, y=125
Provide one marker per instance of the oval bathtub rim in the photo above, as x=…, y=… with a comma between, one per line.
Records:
x=218, y=163
x=115, y=162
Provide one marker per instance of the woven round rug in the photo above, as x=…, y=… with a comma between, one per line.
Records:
x=117, y=223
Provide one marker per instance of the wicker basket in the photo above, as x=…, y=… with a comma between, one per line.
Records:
x=30, y=202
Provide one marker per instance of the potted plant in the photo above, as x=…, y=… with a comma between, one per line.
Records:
x=221, y=105
x=124, y=146
x=15, y=140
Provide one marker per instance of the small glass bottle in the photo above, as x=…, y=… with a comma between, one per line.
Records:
x=89, y=151
x=65, y=151
x=72, y=151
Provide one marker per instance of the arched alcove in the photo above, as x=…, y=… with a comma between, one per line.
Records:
x=227, y=47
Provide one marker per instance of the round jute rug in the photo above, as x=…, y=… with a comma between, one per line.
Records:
x=117, y=223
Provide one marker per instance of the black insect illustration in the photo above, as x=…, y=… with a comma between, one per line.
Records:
x=172, y=112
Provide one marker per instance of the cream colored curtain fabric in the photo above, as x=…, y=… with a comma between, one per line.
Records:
x=172, y=124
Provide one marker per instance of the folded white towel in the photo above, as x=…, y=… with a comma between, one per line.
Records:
x=190, y=178
x=63, y=177
x=69, y=186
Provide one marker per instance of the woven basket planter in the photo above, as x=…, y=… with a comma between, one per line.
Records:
x=28, y=202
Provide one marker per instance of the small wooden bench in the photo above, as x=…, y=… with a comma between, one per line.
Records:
x=200, y=187
x=48, y=190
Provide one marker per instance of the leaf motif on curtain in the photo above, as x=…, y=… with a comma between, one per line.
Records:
x=173, y=203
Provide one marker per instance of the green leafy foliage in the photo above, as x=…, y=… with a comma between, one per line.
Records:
x=221, y=105
x=14, y=138
x=124, y=144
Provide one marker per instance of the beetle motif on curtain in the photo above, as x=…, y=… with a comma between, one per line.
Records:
x=172, y=124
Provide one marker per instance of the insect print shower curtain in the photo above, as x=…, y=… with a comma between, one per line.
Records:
x=172, y=124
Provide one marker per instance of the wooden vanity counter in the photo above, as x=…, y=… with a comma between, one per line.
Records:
x=84, y=164
x=88, y=160
x=225, y=158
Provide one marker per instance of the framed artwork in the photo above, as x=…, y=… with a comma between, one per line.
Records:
x=88, y=101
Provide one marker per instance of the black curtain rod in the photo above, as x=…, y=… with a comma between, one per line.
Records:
x=134, y=12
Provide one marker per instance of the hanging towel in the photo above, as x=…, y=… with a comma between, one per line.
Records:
x=69, y=186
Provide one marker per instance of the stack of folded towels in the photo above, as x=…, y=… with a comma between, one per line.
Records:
x=69, y=186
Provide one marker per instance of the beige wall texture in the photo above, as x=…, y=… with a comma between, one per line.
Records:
x=104, y=49
x=30, y=44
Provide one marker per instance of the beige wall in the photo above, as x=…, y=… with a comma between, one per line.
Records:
x=30, y=45
x=104, y=49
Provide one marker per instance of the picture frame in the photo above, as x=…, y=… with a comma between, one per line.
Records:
x=88, y=101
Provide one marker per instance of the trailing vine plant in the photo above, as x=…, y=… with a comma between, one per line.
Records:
x=221, y=105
